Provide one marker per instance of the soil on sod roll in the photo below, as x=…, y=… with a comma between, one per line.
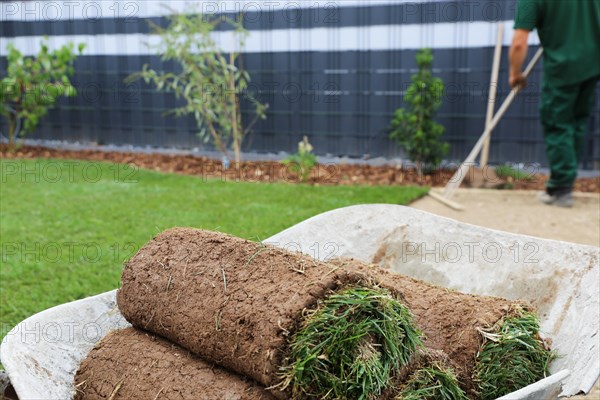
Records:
x=232, y=302
x=131, y=364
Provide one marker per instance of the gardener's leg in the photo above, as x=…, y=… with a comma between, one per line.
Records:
x=558, y=119
x=583, y=110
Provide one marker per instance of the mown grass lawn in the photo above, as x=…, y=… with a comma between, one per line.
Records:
x=67, y=226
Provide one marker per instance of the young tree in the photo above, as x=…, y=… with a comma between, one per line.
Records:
x=210, y=82
x=414, y=128
x=32, y=86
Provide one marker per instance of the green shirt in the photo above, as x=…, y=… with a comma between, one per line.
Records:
x=569, y=31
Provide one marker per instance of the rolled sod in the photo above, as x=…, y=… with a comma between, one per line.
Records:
x=254, y=309
x=259, y=311
x=131, y=364
x=512, y=356
x=455, y=323
x=350, y=346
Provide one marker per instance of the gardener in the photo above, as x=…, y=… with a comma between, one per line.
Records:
x=569, y=31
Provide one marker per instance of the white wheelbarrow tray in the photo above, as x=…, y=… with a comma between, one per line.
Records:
x=42, y=353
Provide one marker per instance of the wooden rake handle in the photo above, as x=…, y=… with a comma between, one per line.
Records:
x=460, y=174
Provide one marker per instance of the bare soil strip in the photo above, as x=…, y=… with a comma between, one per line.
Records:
x=272, y=171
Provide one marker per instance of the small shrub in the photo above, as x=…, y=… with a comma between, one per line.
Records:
x=211, y=84
x=505, y=171
x=304, y=160
x=414, y=128
x=33, y=85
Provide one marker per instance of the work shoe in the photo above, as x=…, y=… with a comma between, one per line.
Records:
x=557, y=199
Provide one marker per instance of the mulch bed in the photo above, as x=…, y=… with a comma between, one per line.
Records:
x=272, y=171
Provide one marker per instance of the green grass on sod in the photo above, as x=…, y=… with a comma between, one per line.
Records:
x=351, y=345
x=512, y=357
x=67, y=226
x=433, y=382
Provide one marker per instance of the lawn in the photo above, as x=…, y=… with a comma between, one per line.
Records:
x=67, y=226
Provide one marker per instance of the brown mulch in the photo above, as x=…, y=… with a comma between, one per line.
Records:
x=273, y=171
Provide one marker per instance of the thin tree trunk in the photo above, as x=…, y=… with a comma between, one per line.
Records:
x=12, y=127
x=234, y=116
x=217, y=139
x=238, y=134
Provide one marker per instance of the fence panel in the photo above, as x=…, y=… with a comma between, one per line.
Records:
x=332, y=70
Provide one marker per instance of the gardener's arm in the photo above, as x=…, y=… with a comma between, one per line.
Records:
x=518, y=53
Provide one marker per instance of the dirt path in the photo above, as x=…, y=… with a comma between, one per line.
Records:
x=519, y=212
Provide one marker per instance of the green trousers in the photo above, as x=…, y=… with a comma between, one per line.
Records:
x=565, y=112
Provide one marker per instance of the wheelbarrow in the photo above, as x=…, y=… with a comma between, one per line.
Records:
x=562, y=280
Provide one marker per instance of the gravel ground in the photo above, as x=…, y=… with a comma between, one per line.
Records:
x=520, y=212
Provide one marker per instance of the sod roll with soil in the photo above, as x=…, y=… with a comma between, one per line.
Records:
x=131, y=364
x=351, y=346
x=493, y=343
x=303, y=327
x=512, y=356
x=311, y=329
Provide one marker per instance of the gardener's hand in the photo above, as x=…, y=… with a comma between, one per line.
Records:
x=517, y=80
x=517, y=55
